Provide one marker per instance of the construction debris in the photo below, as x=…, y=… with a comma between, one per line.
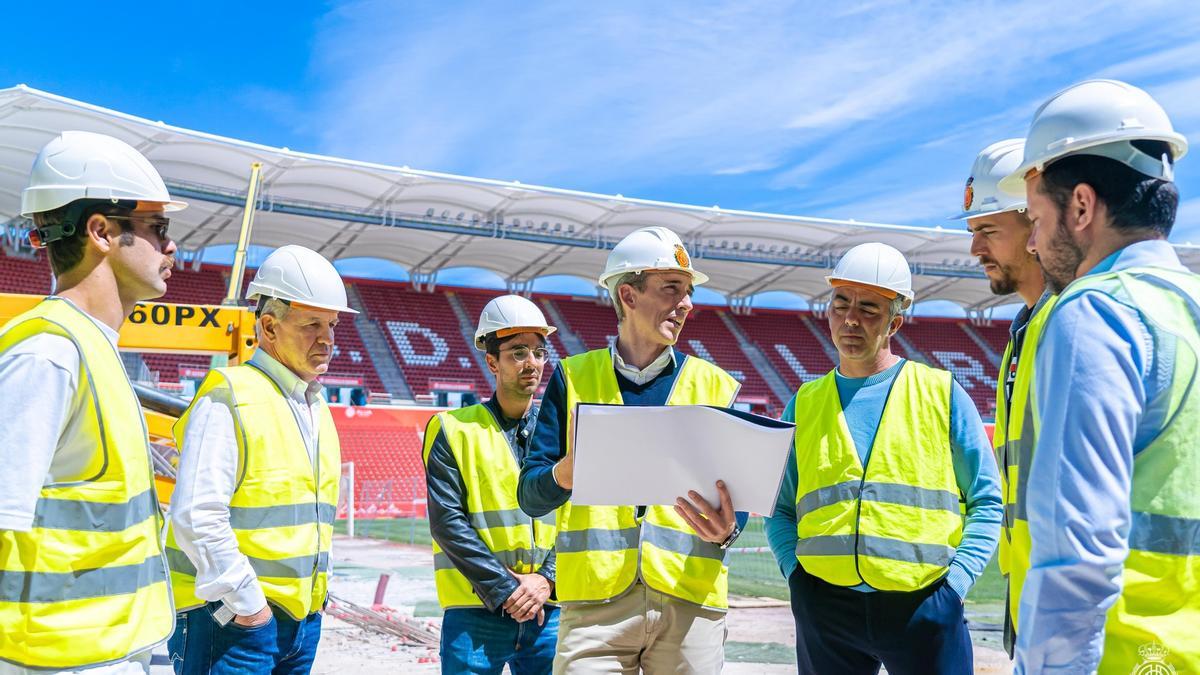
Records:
x=380, y=618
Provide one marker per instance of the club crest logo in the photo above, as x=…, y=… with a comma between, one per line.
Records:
x=1154, y=660
x=681, y=257
x=969, y=194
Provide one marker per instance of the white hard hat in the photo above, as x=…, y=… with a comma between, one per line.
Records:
x=646, y=249
x=1098, y=117
x=83, y=165
x=982, y=195
x=508, y=315
x=300, y=275
x=878, y=266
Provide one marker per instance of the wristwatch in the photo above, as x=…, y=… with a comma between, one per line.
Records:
x=731, y=538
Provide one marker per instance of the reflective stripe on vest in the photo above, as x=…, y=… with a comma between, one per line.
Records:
x=488, y=467
x=1014, y=443
x=894, y=524
x=283, y=509
x=1154, y=618
x=602, y=550
x=92, y=560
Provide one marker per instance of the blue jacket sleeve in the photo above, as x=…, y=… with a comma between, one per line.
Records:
x=979, y=482
x=1091, y=391
x=781, y=526
x=537, y=491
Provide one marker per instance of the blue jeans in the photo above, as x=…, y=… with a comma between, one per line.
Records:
x=282, y=646
x=475, y=640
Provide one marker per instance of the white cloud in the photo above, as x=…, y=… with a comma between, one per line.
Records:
x=871, y=110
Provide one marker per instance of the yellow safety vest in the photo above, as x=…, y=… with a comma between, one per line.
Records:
x=1014, y=443
x=602, y=550
x=283, y=509
x=894, y=524
x=88, y=584
x=489, y=472
x=1154, y=621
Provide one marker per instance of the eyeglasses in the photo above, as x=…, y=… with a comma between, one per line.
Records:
x=157, y=223
x=521, y=354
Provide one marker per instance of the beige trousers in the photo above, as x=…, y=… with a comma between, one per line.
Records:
x=642, y=630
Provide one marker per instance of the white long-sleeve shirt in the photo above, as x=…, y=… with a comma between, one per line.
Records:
x=41, y=442
x=206, y=482
x=40, y=437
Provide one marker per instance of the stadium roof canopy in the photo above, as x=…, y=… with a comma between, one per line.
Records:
x=426, y=221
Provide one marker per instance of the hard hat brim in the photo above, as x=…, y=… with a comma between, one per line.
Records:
x=889, y=293
x=1014, y=183
x=984, y=214
x=698, y=278
x=545, y=331
x=304, y=303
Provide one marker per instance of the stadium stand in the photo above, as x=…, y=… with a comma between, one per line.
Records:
x=425, y=336
x=787, y=343
x=428, y=343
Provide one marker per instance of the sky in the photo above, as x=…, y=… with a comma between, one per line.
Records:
x=868, y=110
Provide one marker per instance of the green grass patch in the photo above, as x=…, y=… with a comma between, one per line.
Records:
x=402, y=530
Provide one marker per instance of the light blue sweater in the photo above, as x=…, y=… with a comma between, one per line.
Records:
x=974, y=470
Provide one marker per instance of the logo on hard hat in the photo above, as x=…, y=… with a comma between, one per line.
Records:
x=969, y=194
x=681, y=256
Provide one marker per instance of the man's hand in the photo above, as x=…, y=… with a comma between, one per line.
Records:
x=564, y=472
x=526, y=602
x=254, y=620
x=713, y=525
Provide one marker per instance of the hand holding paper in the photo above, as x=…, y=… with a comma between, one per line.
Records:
x=714, y=525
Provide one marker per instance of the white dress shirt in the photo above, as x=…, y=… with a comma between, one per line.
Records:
x=208, y=465
x=41, y=442
x=643, y=375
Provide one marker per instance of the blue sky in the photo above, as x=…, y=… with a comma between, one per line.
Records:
x=868, y=110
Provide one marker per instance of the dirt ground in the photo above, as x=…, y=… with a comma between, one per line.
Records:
x=761, y=635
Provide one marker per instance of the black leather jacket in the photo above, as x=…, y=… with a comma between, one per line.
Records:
x=448, y=521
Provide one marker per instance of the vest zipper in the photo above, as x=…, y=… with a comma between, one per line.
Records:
x=862, y=482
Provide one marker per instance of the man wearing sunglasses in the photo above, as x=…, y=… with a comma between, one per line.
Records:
x=493, y=565
x=83, y=580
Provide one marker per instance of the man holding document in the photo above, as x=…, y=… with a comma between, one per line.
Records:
x=867, y=526
x=641, y=586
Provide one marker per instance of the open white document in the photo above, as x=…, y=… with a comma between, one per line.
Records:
x=653, y=454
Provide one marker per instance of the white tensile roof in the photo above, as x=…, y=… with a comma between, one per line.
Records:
x=426, y=221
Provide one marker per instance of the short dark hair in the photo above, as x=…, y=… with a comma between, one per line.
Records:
x=1135, y=201
x=491, y=343
x=66, y=253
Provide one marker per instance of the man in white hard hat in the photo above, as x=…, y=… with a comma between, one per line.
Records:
x=641, y=586
x=1113, y=581
x=868, y=527
x=494, y=565
x=83, y=580
x=257, y=487
x=1000, y=227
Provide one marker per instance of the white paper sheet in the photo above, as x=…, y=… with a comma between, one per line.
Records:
x=653, y=454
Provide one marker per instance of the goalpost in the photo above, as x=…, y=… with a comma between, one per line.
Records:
x=346, y=495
